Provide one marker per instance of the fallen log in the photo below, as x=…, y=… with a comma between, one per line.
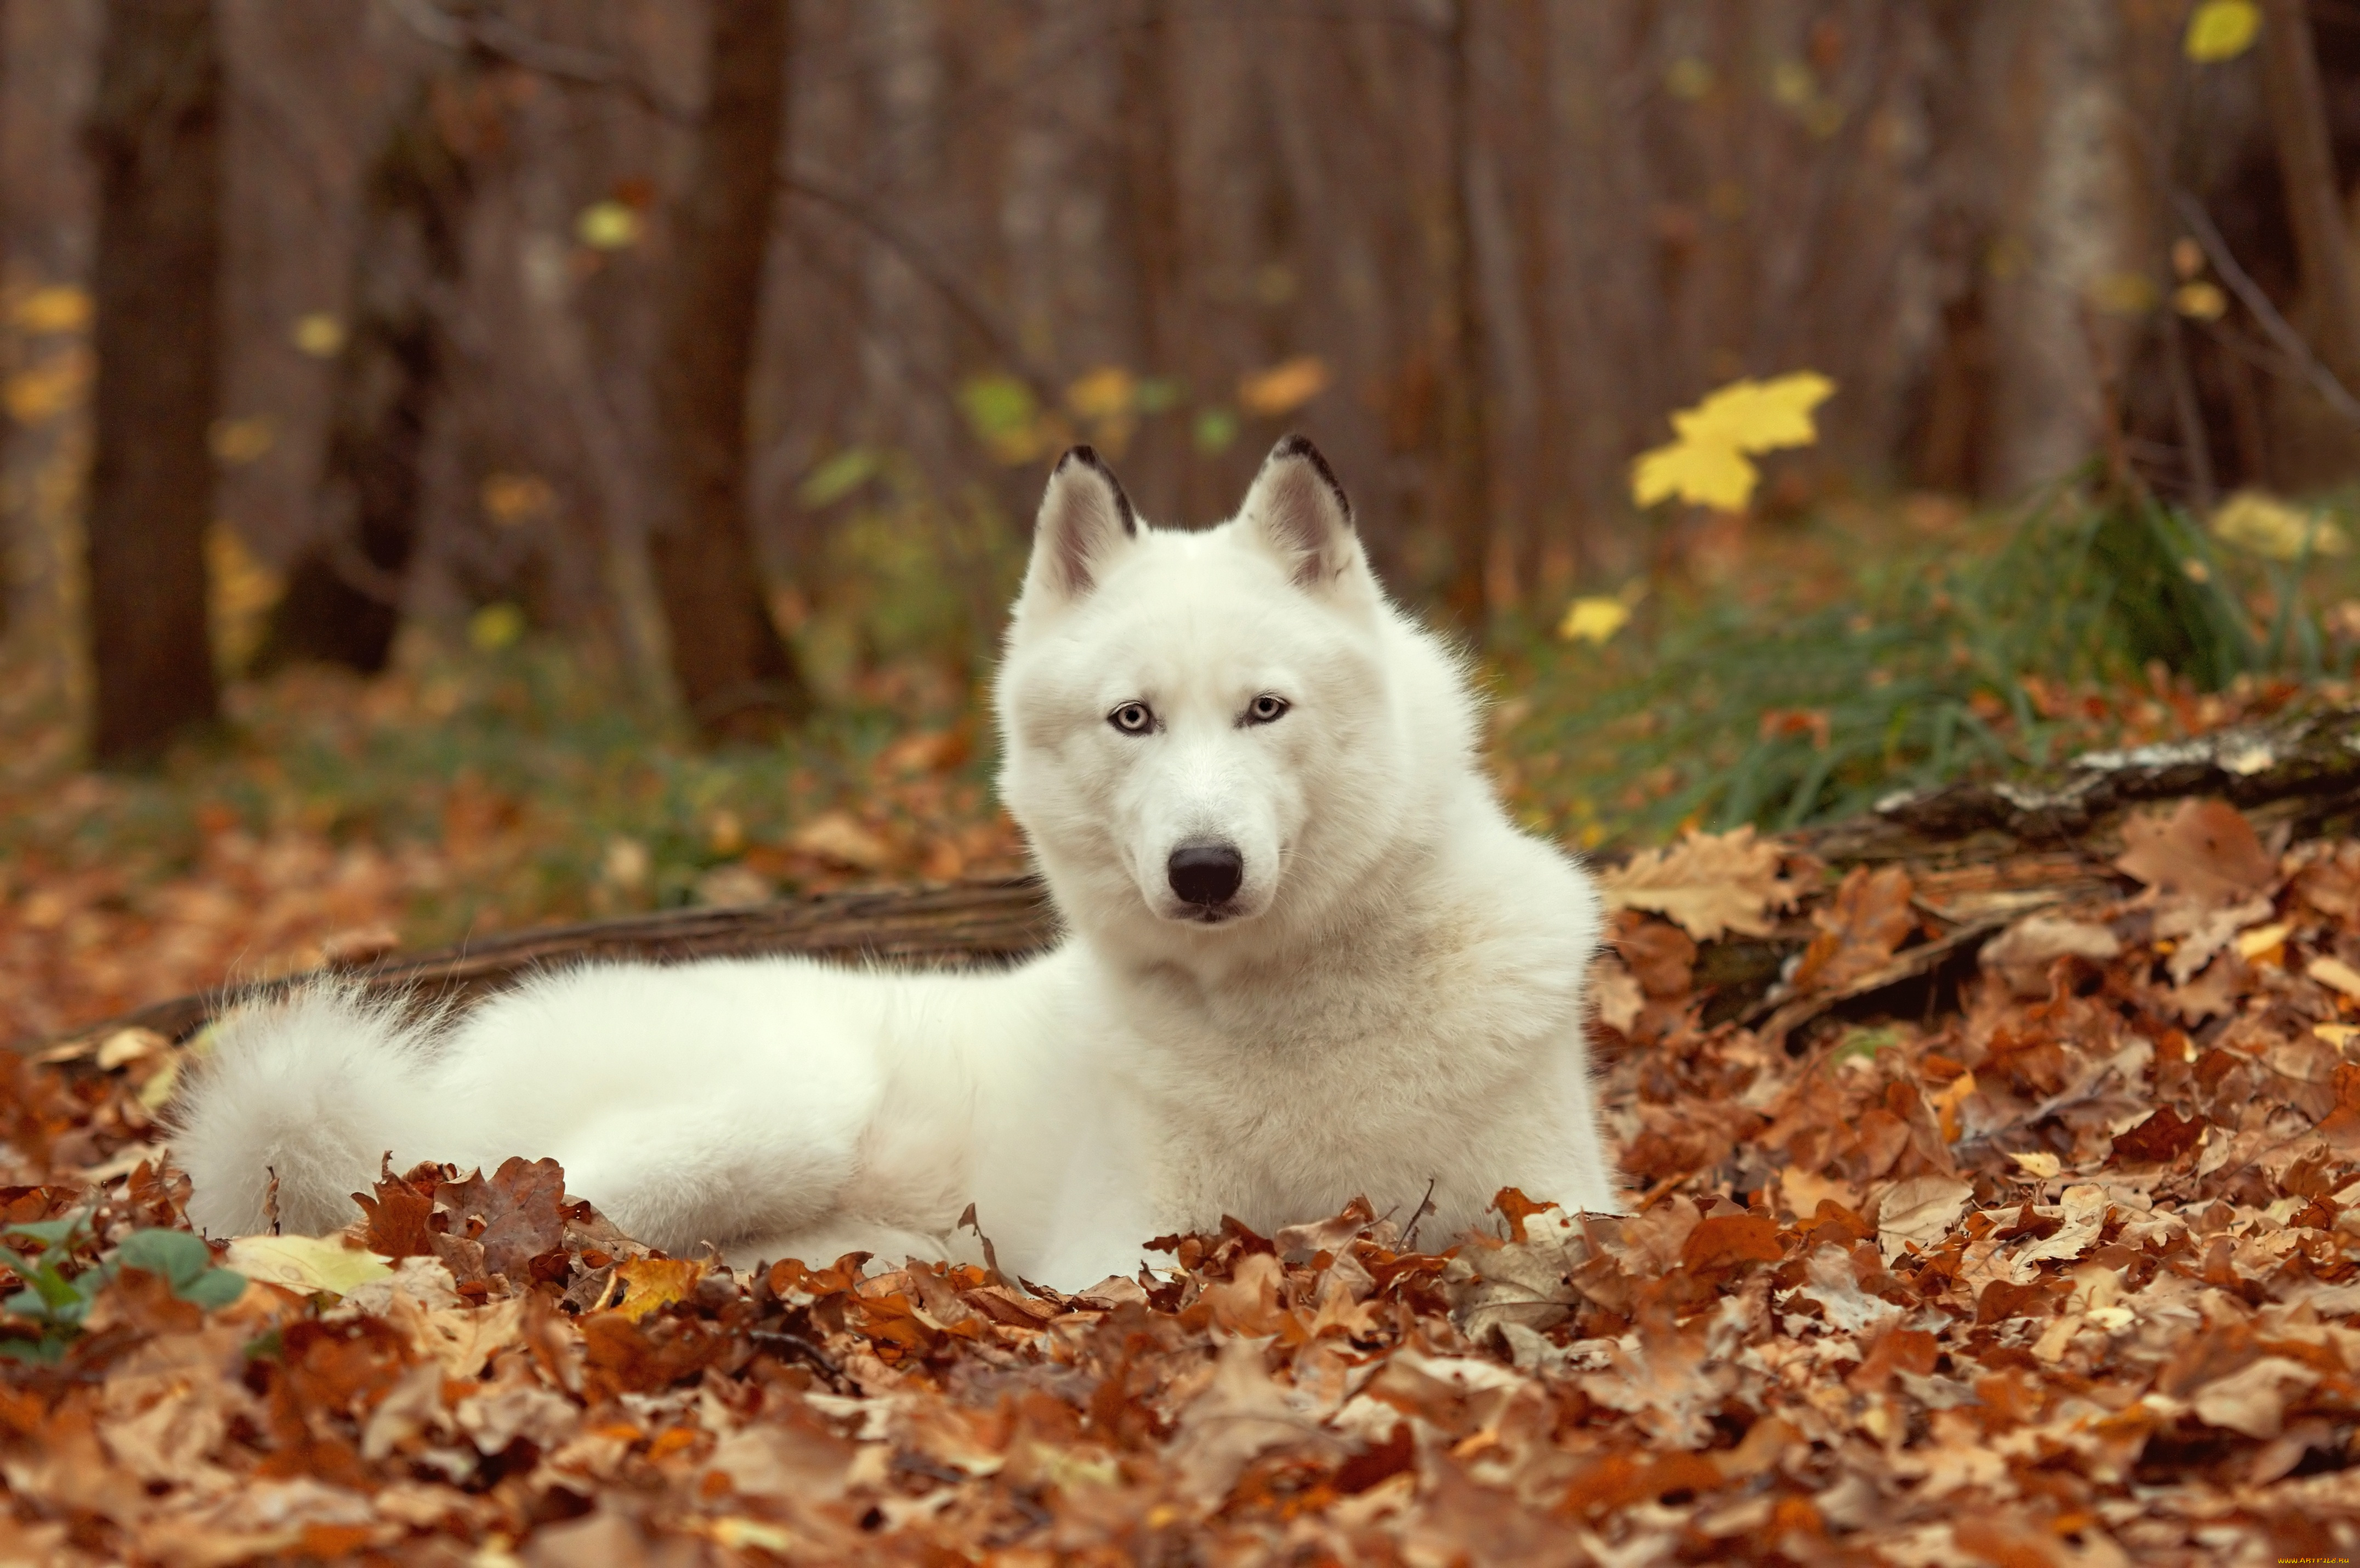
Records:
x=1982, y=853
x=945, y=925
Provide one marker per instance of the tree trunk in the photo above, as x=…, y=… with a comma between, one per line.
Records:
x=7, y=424
x=155, y=137
x=1464, y=482
x=736, y=674
x=2298, y=107
x=2066, y=230
x=343, y=595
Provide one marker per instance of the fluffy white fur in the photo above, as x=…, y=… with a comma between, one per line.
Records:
x=1391, y=997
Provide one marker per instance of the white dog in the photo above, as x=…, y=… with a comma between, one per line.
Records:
x=1308, y=958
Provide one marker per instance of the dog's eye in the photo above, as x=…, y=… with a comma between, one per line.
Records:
x=1265, y=708
x=1132, y=718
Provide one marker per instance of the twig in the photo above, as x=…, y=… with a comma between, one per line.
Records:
x=501, y=39
x=270, y=1199
x=2249, y=294
x=804, y=1350
x=1424, y=1207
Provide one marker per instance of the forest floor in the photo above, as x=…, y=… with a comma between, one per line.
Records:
x=2045, y=1265
x=2008, y=1227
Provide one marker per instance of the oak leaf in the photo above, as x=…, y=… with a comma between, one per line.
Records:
x=1709, y=884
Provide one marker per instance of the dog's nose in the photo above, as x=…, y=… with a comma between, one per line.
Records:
x=1206, y=874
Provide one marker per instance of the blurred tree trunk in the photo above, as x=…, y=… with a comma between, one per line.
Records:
x=343, y=602
x=1147, y=151
x=2067, y=228
x=2297, y=109
x=155, y=137
x=1464, y=482
x=736, y=675
x=7, y=423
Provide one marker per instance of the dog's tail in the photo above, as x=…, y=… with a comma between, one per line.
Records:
x=309, y=1093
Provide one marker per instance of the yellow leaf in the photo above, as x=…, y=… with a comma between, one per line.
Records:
x=2254, y=944
x=237, y=442
x=1285, y=387
x=1688, y=77
x=1710, y=473
x=2221, y=29
x=652, y=1282
x=319, y=334
x=60, y=307
x=2269, y=527
x=1758, y=416
x=2040, y=1163
x=1106, y=393
x=2199, y=301
x=495, y=627
x=51, y=389
x=738, y=1533
x=2123, y=293
x=2334, y=972
x=607, y=225
x=1593, y=620
x=511, y=499
x=239, y=592
x=305, y=1263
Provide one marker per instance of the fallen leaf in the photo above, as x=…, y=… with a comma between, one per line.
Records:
x=1709, y=884
x=1870, y=918
x=652, y=1282
x=838, y=836
x=2203, y=847
x=1920, y=1210
x=2333, y=972
x=305, y=1263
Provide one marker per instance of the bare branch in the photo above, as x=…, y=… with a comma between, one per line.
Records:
x=2249, y=293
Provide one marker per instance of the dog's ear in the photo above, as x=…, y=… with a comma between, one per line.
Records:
x=1085, y=519
x=1299, y=513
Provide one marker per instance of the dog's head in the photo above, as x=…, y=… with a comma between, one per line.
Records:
x=1200, y=728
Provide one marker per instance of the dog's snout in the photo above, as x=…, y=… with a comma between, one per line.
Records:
x=1206, y=874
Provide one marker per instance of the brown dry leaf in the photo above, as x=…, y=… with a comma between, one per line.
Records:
x=1858, y=934
x=1241, y=1413
x=523, y=1208
x=1709, y=884
x=2022, y=953
x=2203, y=847
x=1920, y=1210
x=1661, y=957
x=838, y=836
x=1616, y=993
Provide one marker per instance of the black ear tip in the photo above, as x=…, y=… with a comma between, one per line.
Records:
x=1297, y=447
x=1086, y=456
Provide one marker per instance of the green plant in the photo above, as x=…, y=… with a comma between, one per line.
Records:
x=56, y=1296
x=1919, y=669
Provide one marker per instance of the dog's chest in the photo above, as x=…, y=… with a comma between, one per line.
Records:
x=1288, y=1093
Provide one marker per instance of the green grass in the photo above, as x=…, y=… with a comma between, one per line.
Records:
x=2064, y=625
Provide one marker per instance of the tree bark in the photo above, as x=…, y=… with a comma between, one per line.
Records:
x=2065, y=226
x=736, y=675
x=2298, y=107
x=155, y=137
x=342, y=603
x=1464, y=482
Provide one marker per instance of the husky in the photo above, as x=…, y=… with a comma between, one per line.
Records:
x=1306, y=957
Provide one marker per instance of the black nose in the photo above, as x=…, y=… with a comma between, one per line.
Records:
x=1206, y=874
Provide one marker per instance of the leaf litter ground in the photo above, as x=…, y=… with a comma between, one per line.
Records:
x=2062, y=1274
